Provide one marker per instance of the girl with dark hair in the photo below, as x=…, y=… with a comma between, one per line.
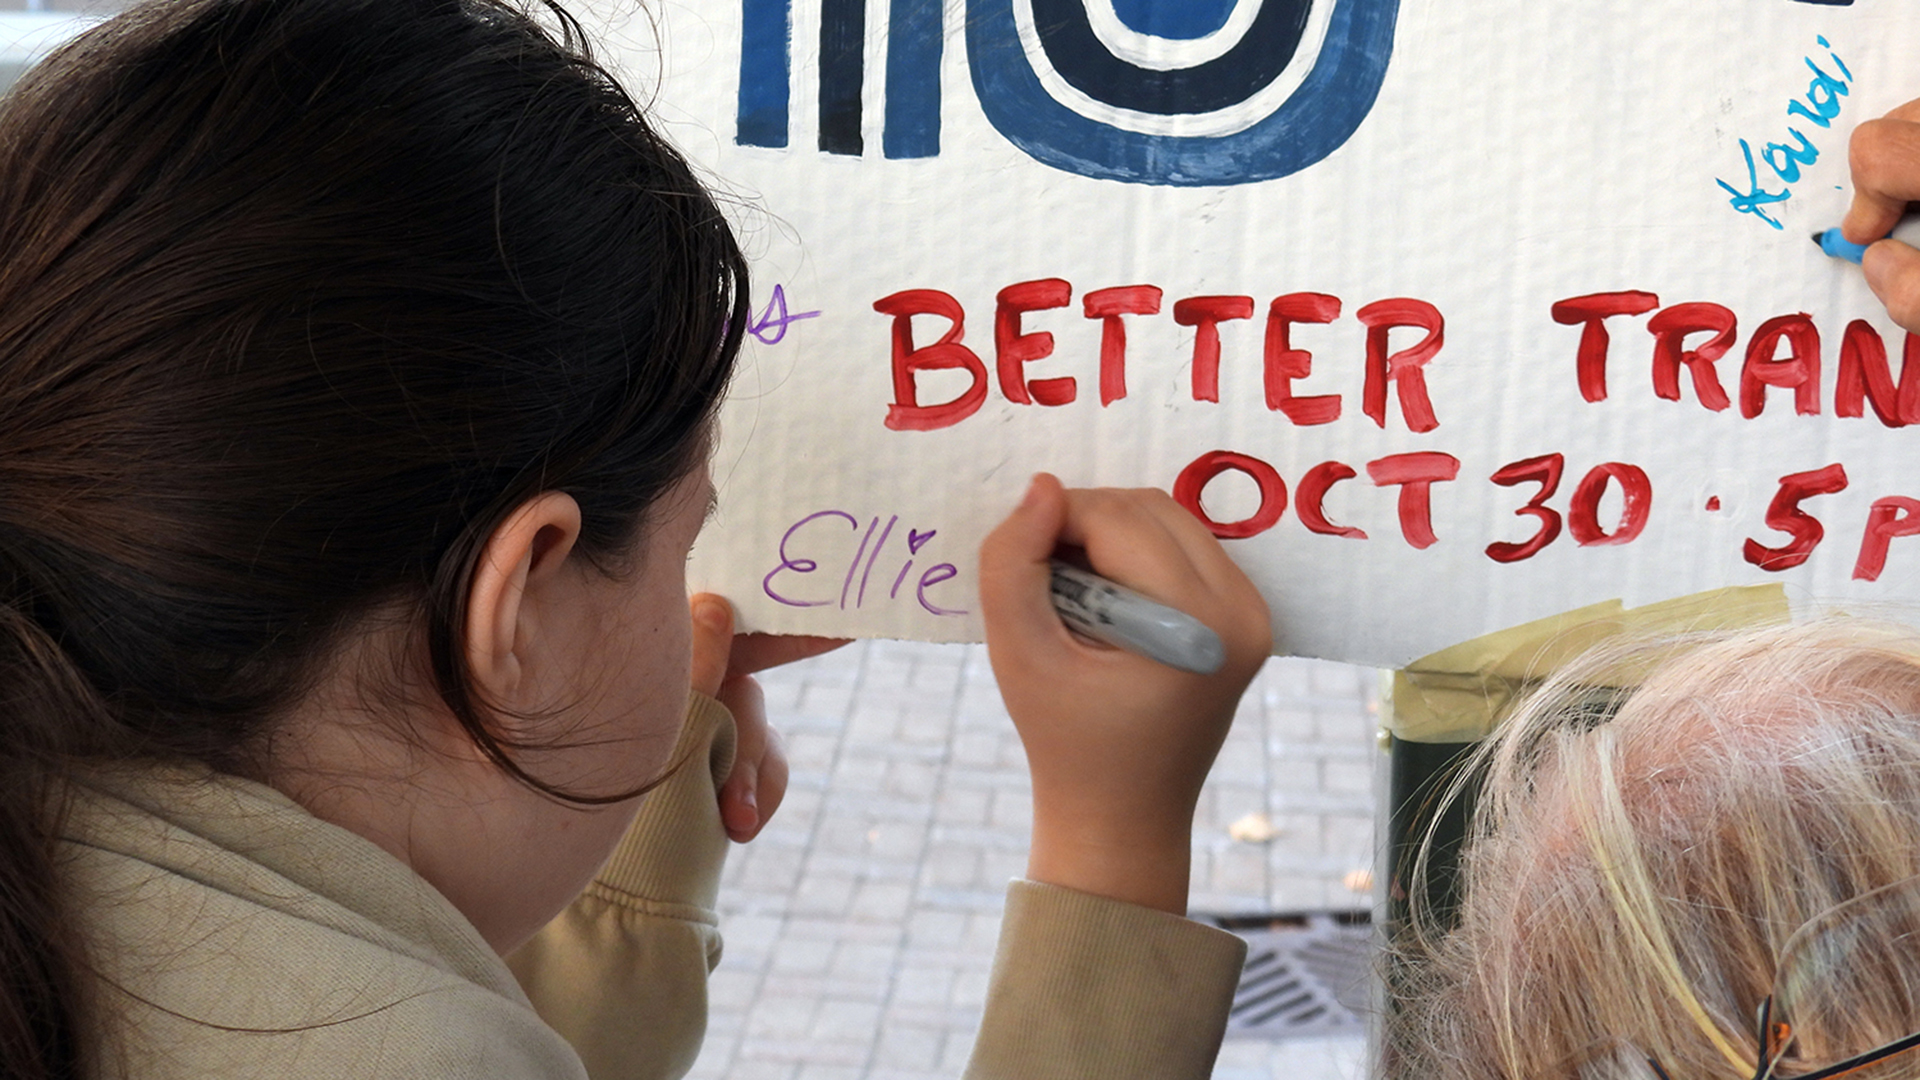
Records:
x=358, y=361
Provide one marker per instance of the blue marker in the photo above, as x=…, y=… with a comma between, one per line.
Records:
x=1090, y=604
x=1838, y=246
x=1831, y=242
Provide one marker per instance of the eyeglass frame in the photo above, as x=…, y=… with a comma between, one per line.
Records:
x=1773, y=1041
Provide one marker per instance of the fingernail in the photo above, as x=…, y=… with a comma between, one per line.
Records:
x=710, y=612
x=753, y=803
x=740, y=819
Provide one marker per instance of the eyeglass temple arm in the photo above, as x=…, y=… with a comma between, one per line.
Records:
x=1861, y=1061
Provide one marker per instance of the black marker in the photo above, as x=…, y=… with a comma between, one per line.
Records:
x=1091, y=605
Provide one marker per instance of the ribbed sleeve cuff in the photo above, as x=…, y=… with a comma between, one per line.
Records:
x=673, y=854
x=1085, y=986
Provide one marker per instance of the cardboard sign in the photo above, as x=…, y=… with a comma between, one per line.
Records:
x=1444, y=316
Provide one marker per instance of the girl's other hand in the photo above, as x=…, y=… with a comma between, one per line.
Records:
x=723, y=667
x=1885, y=157
x=1118, y=745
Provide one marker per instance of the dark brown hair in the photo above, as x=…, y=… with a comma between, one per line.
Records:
x=299, y=299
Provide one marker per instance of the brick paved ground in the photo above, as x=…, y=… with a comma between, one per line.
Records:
x=860, y=926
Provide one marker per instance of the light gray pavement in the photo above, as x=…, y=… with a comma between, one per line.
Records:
x=860, y=926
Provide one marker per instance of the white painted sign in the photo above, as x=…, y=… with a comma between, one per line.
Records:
x=1448, y=316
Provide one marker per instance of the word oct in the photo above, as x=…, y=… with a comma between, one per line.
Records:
x=1415, y=474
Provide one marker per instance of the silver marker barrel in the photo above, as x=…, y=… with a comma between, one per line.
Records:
x=1096, y=607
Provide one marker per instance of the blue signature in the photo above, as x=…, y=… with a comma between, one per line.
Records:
x=1786, y=159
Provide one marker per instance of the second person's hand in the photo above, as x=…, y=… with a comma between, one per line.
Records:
x=1884, y=155
x=723, y=668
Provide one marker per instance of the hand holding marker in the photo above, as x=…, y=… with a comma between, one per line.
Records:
x=1091, y=605
x=1838, y=246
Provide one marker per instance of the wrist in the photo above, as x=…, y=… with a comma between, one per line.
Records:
x=1145, y=864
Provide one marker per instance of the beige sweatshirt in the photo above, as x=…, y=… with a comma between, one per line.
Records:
x=235, y=935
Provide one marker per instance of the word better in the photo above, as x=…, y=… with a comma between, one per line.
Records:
x=1014, y=347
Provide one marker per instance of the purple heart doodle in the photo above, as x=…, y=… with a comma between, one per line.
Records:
x=916, y=538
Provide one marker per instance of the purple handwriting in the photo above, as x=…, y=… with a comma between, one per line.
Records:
x=771, y=324
x=819, y=534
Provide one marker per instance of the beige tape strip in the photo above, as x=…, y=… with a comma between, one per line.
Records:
x=1459, y=693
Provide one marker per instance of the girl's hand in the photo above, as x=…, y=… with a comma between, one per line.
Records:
x=723, y=667
x=1885, y=157
x=1119, y=745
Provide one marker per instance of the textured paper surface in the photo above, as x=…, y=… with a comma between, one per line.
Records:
x=1518, y=154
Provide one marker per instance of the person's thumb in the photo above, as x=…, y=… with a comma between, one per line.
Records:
x=1013, y=557
x=1893, y=273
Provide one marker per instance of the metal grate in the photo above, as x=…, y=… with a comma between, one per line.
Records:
x=1306, y=976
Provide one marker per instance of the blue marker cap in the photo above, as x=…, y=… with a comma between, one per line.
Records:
x=1838, y=246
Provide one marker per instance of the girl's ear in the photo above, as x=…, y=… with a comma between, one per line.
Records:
x=504, y=618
